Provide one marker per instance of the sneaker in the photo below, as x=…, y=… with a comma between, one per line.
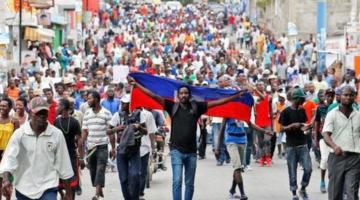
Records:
x=295, y=197
x=303, y=194
x=322, y=187
x=78, y=191
x=228, y=161
x=233, y=196
x=242, y=168
x=268, y=161
x=248, y=168
x=261, y=161
x=243, y=197
x=219, y=163
x=97, y=198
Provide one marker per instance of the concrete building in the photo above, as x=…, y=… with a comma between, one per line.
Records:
x=278, y=13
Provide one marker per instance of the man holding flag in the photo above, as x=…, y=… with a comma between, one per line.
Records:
x=184, y=116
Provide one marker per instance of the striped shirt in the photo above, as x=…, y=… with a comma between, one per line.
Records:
x=96, y=124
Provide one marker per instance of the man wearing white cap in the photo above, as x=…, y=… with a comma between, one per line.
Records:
x=37, y=157
x=133, y=167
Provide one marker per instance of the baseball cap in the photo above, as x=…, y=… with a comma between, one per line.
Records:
x=266, y=71
x=273, y=76
x=67, y=80
x=126, y=98
x=298, y=93
x=37, y=104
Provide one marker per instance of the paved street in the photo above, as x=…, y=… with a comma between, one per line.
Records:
x=213, y=183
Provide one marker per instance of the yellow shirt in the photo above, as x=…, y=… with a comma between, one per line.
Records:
x=6, y=130
x=279, y=109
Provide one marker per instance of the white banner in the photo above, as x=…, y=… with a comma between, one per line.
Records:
x=120, y=72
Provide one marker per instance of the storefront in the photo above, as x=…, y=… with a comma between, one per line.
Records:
x=58, y=24
x=39, y=34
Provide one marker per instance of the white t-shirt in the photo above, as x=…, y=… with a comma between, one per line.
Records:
x=96, y=124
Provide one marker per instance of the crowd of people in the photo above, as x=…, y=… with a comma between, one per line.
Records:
x=70, y=100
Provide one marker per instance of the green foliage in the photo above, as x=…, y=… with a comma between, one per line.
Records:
x=186, y=2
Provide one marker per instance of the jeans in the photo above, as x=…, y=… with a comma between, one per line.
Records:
x=224, y=154
x=249, y=146
x=178, y=162
x=129, y=175
x=144, y=172
x=301, y=155
x=50, y=194
x=215, y=129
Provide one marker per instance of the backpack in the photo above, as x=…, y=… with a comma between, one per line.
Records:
x=131, y=138
x=177, y=105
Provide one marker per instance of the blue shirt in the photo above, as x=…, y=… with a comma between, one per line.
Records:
x=111, y=105
x=235, y=132
x=78, y=102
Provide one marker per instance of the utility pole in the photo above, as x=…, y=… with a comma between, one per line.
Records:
x=20, y=24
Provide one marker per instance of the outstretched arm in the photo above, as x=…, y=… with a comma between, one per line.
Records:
x=156, y=97
x=224, y=100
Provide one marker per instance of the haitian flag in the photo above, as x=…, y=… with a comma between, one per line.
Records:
x=239, y=108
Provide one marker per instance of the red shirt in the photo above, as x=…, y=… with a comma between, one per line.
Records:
x=262, y=112
x=232, y=19
x=310, y=108
x=52, y=112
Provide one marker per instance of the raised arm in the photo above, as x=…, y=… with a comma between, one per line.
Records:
x=256, y=91
x=224, y=100
x=156, y=97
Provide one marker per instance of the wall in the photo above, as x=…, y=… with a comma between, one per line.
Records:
x=303, y=14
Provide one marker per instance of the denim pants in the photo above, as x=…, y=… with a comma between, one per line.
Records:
x=144, y=172
x=129, y=175
x=249, y=146
x=224, y=154
x=179, y=162
x=215, y=129
x=50, y=194
x=301, y=155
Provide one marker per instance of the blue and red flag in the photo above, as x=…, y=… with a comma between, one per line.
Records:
x=239, y=108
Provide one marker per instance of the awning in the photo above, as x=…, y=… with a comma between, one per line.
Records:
x=39, y=34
